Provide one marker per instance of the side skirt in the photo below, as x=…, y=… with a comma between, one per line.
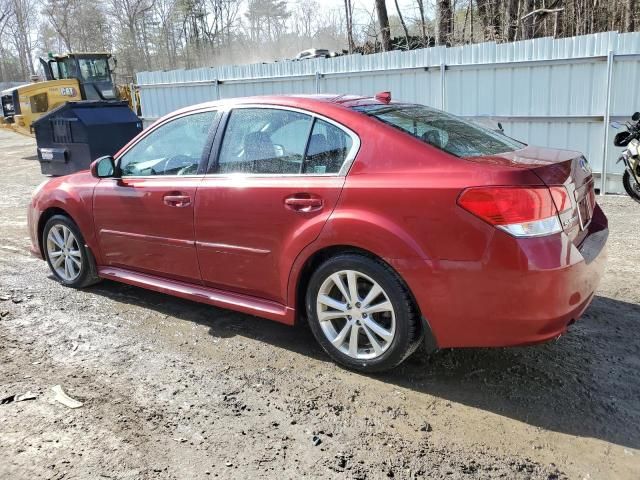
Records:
x=198, y=293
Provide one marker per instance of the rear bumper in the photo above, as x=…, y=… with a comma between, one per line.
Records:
x=522, y=291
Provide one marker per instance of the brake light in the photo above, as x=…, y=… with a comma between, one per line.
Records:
x=519, y=211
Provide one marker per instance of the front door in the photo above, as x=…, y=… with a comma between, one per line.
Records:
x=144, y=220
x=277, y=178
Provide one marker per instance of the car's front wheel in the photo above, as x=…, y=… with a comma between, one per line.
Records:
x=69, y=259
x=361, y=313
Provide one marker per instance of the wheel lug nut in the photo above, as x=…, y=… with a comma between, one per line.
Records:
x=358, y=305
x=348, y=317
x=364, y=315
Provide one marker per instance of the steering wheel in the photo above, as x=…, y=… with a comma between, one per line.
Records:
x=189, y=169
x=178, y=162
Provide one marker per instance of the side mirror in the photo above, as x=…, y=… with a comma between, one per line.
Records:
x=113, y=63
x=103, y=167
x=635, y=117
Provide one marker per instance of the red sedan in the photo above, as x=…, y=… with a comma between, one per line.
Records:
x=383, y=224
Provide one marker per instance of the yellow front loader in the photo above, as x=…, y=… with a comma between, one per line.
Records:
x=69, y=77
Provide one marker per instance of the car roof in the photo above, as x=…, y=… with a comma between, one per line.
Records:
x=309, y=102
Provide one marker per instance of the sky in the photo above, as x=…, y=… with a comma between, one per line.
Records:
x=410, y=6
x=364, y=8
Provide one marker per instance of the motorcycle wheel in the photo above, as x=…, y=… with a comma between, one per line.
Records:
x=631, y=187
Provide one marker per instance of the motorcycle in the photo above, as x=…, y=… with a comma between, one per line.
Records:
x=630, y=156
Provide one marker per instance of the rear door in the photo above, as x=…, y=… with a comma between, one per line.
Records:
x=275, y=179
x=144, y=220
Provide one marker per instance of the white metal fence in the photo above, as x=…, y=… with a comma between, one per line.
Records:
x=559, y=93
x=7, y=85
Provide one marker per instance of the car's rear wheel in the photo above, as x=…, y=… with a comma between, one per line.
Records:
x=361, y=313
x=69, y=259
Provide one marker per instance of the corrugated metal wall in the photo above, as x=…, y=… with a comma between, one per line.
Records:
x=7, y=85
x=551, y=92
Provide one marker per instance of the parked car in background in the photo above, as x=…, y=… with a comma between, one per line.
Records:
x=315, y=53
x=383, y=224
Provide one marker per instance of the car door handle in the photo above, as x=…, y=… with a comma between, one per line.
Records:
x=303, y=204
x=173, y=200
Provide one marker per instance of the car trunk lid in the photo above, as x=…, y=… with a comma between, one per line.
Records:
x=554, y=168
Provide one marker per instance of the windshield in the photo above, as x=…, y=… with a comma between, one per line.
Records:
x=442, y=130
x=91, y=69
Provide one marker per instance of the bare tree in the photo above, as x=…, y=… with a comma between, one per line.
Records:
x=444, y=22
x=404, y=25
x=305, y=16
x=161, y=34
x=267, y=19
x=383, y=21
x=348, y=7
x=60, y=14
x=629, y=14
x=510, y=20
x=5, y=11
x=23, y=15
x=423, y=23
x=130, y=13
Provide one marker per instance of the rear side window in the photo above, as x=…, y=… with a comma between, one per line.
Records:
x=327, y=150
x=264, y=140
x=280, y=141
x=442, y=130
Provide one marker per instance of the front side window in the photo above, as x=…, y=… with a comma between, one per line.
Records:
x=264, y=140
x=442, y=130
x=174, y=148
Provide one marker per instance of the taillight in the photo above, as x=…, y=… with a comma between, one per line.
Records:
x=519, y=211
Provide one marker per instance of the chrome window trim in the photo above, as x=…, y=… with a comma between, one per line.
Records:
x=152, y=177
x=346, y=164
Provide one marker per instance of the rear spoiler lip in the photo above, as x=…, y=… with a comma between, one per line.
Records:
x=529, y=157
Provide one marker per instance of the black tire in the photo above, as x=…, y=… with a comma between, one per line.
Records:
x=88, y=274
x=407, y=321
x=630, y=186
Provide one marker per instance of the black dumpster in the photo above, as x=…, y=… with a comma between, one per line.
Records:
x=72, y=135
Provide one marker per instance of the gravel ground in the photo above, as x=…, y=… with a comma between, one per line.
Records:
x=175, y=389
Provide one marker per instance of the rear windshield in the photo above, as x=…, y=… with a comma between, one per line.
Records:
x=442, y=130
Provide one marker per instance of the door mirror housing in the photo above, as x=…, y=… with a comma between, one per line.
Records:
x=635, y=117
x=103, y=167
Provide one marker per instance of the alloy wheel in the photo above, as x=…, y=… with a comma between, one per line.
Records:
x=356, y=315
x=64, y=252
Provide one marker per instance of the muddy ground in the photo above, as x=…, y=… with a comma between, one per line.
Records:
x=175, y=389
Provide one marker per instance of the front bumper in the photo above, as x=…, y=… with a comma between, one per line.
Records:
x=33, y=217
x=522, y=291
